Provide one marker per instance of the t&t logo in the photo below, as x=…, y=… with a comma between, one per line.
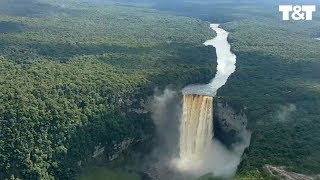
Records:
x=304, y=12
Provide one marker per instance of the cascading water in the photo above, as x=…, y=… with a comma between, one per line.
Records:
x=196, y=131
x=196, y=126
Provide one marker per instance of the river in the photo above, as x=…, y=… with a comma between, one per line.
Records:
x=226, y=61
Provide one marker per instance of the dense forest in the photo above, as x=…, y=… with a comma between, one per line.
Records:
x=71, y=80
x=74, y=76
x=281, y=100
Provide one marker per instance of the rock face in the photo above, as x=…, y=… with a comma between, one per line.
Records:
x=115, y=151
x=229, y=119
x=119, y=148
x=281, y=173
x=228, y=124
x=98, y=151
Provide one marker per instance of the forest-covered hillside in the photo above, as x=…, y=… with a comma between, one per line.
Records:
x=74, y=76
x=277, y=83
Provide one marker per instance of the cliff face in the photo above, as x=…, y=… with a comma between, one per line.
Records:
x=229, y=124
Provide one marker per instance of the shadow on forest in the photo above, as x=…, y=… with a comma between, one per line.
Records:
x=183, y=50
x=10, y=27
x=211, y=10
x=161, y=55
x=30, y=8
x=262, y=83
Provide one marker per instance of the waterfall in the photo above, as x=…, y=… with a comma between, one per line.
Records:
x=196, y=126
x=197, y=123
x=199, y=151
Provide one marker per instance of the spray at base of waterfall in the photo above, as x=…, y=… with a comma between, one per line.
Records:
x=166, y=162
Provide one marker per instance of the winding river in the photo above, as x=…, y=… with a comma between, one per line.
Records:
x=226, y=61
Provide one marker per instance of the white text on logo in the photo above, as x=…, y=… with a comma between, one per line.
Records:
x=304, y=12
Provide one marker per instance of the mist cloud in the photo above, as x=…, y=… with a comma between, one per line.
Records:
x=218, y=159
x=285, y=111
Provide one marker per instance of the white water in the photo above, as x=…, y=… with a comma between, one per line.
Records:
x=196, y=126
x=226, y=61
x=199, y=153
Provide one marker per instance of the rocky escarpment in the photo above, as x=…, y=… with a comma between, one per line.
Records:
x=229, y=125
x=283, y=174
